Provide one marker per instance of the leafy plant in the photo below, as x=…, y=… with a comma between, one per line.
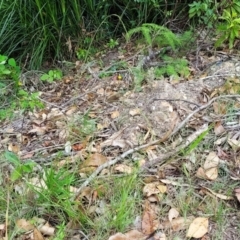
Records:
x=52, y=75
x=112, y=43
x=155, y=34
x=12, y=94
x=205, y=12
x=173, y=67
x=229, y=29
x=20, y=169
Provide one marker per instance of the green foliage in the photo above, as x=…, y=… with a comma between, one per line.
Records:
x=38, y=30
x=229, y=28
x=155, y=34
x=204, y=12
x=12, y=94
x=173, y=67
x=21, y=169
x=52, y=75
x=112, y=43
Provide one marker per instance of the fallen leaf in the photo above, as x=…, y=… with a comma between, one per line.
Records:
x=24, y=225
x=94, y=160
x=71, y=110
x=162, y=188
x=198, y=228
x=47, y=230
x=148, y=218
x=13, y=147
x=237, y=193
x=177, y=224
x=131, y=235
x=211, y=173
x=115, y=114
x=122, y=168
x=235, y=144
x=150, y=189
x=37, y=235
x=211, y=161
x=173, y=213
x=135, y=112
x=218, y=128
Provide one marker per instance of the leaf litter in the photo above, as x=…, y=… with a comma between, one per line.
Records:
x=88, y=123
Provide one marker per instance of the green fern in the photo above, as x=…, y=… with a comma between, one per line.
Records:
x=156, y=35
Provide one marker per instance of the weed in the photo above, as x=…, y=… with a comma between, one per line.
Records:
x=52, y=75
x=20, y=169
x=12, y=94
x=112, y=43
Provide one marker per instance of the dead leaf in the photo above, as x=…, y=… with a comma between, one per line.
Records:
x=237, y=193
x=211, y=161
x=94, y=160
x=177, y=224
x=131, y=235
x=13, y=147
x=47, y=230
x=173, y=213
x=198, y=228
x=24, y=225
x=211, y=173
x=115, y=140
x=37, y=235
x=151, y=189
x=71, y=110
x=122, y=168
x=218, y=128
x=148, y=219
x=115, y=114
x=135, y=111
x=235, y=144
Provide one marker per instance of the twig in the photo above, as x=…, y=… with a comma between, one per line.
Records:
x=130, y=151
x=177, y=100
x=164, y=157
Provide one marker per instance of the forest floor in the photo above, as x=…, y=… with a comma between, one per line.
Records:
x=110, y=162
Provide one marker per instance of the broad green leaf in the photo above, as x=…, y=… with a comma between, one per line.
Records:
x=12, y=62
x=16, y=174
x=12, y=158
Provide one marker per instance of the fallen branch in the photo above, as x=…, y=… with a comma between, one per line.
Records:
x=167, y=135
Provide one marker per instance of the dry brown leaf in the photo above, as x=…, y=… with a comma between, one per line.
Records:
x=237, y=193
x=135, y=111
x=162, y=188
x=94, y=160
x=24, y=225
x=71, y=110
x=177, y=224
x=47, y=230
x=151, y=188
x=211, y=161
x=198, y=228
x=201, y=173
x=220, y=108
x=235, y=144
x=122, y=168
x=114, y=139
x=131, y=235
x=115, y=114
x=37, y=235
x=13, y=147
x=211, y=173
x=148, y=219
x=218, y=128
x=173, y=213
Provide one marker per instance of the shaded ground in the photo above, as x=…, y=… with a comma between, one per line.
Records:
x=87, y=114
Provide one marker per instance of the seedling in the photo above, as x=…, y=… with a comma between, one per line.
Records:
x=52, y=75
